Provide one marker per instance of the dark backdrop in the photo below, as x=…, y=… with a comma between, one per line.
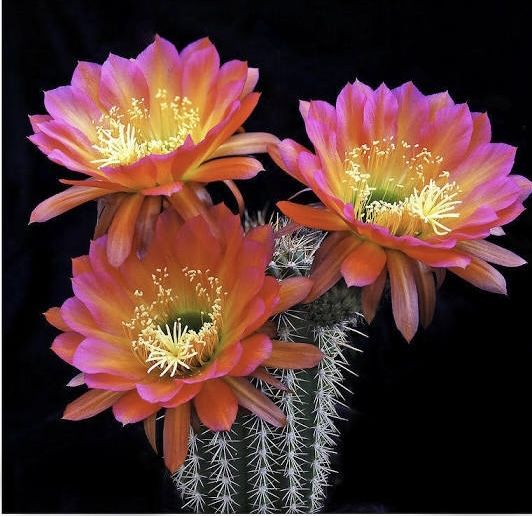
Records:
x=438, y=425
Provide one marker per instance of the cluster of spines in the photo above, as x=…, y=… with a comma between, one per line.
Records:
x=330, y=392
x=288, y=469
x=222, y=472
x=261, y=450
x=188, y=478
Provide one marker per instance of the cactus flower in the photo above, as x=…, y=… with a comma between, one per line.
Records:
x=410, y=185
x=146, y=131
x=180, y=330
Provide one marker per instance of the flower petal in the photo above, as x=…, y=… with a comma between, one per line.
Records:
x=293, y=355
x=237, y=167
x=185, y=393
x=255, y=350
x=319, y=218
x=108, y=382
x=175, y=436
x=66, y=344
x=363, y=265
x=492, y=253
x=53, y=316
x=245, y=143
x=98, y=356
x=150, y=429
x=158, y=391
x=216, y=405
x=122, y=229
x=255, y=401
x=292, y=291
x=91, y=403
x=404, y=293
x=426, y=289
x=263, y=375
x=325, y=270
x=482, y=275
x=64, y=201
x=132, y=408
x=372, y=294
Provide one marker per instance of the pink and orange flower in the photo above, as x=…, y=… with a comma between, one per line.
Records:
x=179, y=330
x=148, y=131
x=410, y=186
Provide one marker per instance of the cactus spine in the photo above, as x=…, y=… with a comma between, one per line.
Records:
x=261, y=469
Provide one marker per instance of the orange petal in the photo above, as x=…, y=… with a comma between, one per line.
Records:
x=237, y=195
x=327, y=262
x=216, y=405
x=91, y=403
x=426, y=288
x=122, y=229
x=293, y=355
x=175, y=436
x=363, y=265
x=319, y=218
x=292, y=291
x=150, y=429
x=187, y=203
x=404, y=293
x=53, y=316
x=64, y=201
x=237, y=167
x=266, y=377
x=372, y=294
x=108, y=382
x=245, y=143
x=255, y=350
x=255, y=401
x=132, y=408
x=482, y=275
x=107, y=207
x=160, y=390
x=66, y=344
x=80, y=265
x=186, y=393
x=492, y=253
x=145, y=227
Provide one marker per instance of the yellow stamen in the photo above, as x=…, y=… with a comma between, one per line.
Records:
x=401, y=187
x=124, y=138
x=163, y=340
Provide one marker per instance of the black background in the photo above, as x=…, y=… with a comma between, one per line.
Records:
x=439, y=425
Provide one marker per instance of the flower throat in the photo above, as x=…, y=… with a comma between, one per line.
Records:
x=175, y=335
x=124, y=137
x=401, y=187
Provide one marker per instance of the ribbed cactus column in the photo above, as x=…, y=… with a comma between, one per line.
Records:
x=261, y=469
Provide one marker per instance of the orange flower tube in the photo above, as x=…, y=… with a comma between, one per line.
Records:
x=149, y=130
x=180, y=330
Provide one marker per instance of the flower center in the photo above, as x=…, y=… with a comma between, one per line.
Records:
x=175, y=334
x=124, y=137
x=401, y=187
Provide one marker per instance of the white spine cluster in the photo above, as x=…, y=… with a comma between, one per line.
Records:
x=188, y=479
x=330, y=392
x=288, y=469
x=291, y=444
x=262, y=461
x=294, y=252
x=222, y=472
